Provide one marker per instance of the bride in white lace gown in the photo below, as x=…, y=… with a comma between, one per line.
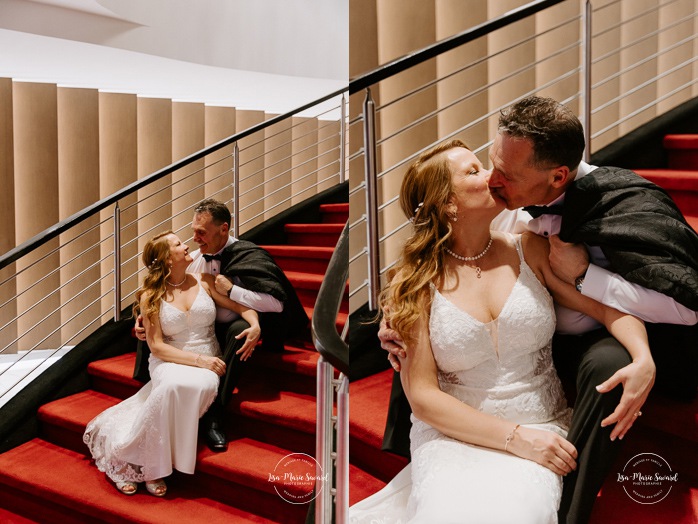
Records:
x=489, y=414
x=145, y=437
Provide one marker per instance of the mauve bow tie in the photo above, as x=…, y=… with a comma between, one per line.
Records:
x=536, y=211
x=208, y=258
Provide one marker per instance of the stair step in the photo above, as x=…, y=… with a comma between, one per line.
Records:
x=66, y=483
x=672, y=179
x=112, y=376
x=682, y=151
x=307, y=286
x=682, y=186
x=246, y=462
x=309, y=259
x=368, y=412
x=313, y=234
x=334, y=213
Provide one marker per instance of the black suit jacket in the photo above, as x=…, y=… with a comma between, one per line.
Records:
x=258, y=272
x=638, y=227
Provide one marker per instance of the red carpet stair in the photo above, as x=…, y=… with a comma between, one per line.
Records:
x=667, y=428
x=50, y=479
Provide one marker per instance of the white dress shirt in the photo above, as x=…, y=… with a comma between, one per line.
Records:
x=261, y=302
x=600, y=284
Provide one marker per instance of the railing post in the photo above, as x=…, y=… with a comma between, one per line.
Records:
x=117, y=263
x=586, y=79
x=323, y=440
x=369, y=114
x=343, y=142
x=236, y=190
x=342, y=502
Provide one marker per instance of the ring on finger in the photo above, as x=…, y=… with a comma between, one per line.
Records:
x=638, y=414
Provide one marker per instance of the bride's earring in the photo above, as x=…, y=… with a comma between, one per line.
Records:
x=453, y=217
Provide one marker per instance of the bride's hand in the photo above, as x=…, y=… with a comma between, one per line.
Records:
x=215, y=364
x=546, y=448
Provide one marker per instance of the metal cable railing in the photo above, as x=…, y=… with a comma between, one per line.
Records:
x=653, y=73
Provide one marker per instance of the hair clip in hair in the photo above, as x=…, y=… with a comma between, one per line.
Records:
x=152, y=263
x=416, y=210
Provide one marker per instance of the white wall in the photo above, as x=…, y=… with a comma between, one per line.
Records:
x=305, y=38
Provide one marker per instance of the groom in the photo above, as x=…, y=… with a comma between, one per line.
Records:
x=248, y=275
x=536, y=159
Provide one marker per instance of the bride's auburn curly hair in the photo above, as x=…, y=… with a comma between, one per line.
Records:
x=424, y=197
x=156, y=253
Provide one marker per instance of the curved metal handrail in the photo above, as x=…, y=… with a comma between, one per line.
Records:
x=52, y=232
x=417, y=57
x=327, y=340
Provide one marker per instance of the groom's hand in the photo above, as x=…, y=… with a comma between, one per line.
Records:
x=568, y=261
x=637, y=379
x=392, y=343
x=138, y=329
x=223, y=285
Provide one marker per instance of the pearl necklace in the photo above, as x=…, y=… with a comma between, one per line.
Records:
x=177, y=285
x=477, y=269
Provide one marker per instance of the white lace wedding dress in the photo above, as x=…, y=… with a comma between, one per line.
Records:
x=504, y=368
x=147, y=435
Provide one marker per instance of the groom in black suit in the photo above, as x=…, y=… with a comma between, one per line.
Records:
x=248, y=275
x=643, y=259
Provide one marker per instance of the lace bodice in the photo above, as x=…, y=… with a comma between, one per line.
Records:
x=503, y=367
x=191, y=330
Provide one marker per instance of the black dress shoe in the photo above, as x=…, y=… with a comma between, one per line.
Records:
x=215, y=438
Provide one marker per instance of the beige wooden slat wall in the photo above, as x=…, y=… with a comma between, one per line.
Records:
x=188, y=137
x=251, y=170
x=277, y=170
x=220, y=124
x=305, y=162
x=78, y=187
x=8, y=288
x=36, y=208
x=328, y=157
x=118, y=167
x=154, y=153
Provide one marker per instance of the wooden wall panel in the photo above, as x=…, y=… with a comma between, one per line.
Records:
x=277, y=171
x=251, y=170
x=78, y=187
x=118, y=167
x=35, y=136
x=305, y=148
x=8, y=287
x=220, y=124
x=188, y=136
x=154, y=153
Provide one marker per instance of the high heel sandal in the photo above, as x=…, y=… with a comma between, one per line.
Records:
x=123, y=487
x=156, y=487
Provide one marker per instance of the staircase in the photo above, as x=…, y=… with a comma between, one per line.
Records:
x=272, y=414
x=668, y=428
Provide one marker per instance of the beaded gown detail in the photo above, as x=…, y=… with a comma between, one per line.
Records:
x=504, y=368
x=147, y=435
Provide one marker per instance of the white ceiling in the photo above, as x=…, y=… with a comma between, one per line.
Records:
x=305, y=38
x=188, y=50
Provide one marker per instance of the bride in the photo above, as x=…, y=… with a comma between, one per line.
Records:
x=147, y=435
x=489, y=414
